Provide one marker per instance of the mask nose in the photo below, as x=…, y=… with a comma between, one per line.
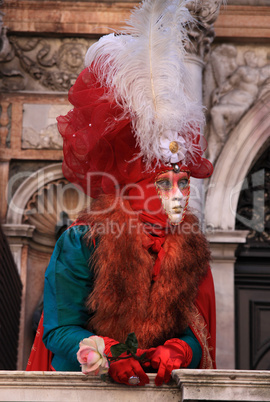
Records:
x=178, y=195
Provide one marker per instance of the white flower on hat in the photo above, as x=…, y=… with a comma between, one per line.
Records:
x=172, y=146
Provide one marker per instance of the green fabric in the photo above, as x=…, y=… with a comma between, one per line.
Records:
x=68, y=282
x=193, y=342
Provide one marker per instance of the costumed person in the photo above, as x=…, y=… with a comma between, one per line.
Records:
x=137, y=260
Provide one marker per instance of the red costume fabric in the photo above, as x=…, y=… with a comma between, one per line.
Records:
x=40, y=357
x=95, y=139
x=204, y=324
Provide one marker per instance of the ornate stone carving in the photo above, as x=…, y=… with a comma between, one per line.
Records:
x=202, y=32
x=8, y=73
x=45, y=209
x=38, y=64
x=236, y=82
x=54, y=69
x=6, y=51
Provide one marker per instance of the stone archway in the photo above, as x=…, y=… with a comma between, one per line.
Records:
x=26, y=190
x=248, y=138
x=33, y=213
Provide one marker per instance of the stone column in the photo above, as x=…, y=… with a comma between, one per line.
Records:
x=201, y=36
x=18, y=236
x=223, y=244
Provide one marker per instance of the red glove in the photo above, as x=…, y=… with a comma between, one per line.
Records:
x=108, y=343
x=122, y=370
x=174, y=354
x=148, y=354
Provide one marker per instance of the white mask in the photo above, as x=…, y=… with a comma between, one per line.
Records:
x=173, y=190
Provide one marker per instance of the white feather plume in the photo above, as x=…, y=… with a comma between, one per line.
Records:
x=144, y=67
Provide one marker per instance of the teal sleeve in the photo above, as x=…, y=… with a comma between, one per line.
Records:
x=68, y=282
x=193, y=342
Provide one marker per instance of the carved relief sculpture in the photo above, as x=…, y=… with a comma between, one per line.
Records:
x=37, y=63
x=237, y=86
x=44, y=208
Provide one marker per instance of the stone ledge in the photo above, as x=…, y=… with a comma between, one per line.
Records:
x=189, y=385
x=18, y=230
x=66, y=386
x=223, y=243
x=223, y=385
x=227, y=236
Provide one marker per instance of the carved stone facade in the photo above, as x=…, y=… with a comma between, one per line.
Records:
x=42, y=64
x=54, y=205
x=202, y=32
x=50, y=64
x=236, y=77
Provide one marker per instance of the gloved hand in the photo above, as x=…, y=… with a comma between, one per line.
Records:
x=174, y=354
x=121, y=371
x=148, y=354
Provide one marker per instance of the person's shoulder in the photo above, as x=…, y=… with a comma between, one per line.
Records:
x=75, y=231
x=72, y=250
x=73, y=237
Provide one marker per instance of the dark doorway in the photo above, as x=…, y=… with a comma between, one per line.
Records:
x=252, y=270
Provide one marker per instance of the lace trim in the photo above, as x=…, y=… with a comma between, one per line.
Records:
x=199, y=328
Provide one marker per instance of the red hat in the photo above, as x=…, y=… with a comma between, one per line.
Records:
x=133, y=113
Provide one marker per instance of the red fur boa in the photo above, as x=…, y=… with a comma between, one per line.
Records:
x=125, y=299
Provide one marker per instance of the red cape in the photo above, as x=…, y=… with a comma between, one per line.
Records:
x=206, y=305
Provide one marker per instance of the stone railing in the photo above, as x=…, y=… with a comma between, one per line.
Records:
x=188, y=385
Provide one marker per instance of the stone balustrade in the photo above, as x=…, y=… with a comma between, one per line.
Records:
x=187, y=385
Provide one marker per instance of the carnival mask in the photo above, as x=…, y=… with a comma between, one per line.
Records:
x=173, y=190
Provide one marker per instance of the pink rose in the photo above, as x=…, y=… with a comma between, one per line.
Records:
x=91, y=356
